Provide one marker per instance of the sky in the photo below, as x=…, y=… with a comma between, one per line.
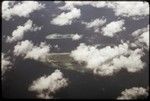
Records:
x=110, y=37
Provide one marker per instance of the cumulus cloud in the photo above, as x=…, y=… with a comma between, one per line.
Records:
x=58, y=2
x=5, y=63
x=39, y=52
x=23, y=47
x=112, y=28
x=21, y=30
x=76, y=37
x=73, y=4
x=134, y=93
x=64, y=36
x=131, y=9
x=28, y=50
x=140, y=31
x=95, y=24
x=46, y=86
x=21, y=9
x=141, y=37
x=66, y=18
x=134, y=9
x=109, y=60
x=95, y=57
x=145, y=38
x=131, y=63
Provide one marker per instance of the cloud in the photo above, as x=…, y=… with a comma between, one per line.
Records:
x=26, y=49
x=5, y=63
x=23, y=47
x=76, y=37
x=95, y=24
x=138, y=32
x=39, y=52
x=57, y=2
x=95, y=57
x=21, y=9
x=133, y=9
x=131, y=63
x=113, y=28
x=134, y=93
x=64, y=36
x=144, y=38
x=46, y=86
x=21, y=30
x=141, y=37
x=109, y=60
x=73, y=4
x=66, y=18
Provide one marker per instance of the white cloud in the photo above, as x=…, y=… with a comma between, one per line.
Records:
x=66, y=18
x=108, y=60
x=64, y=36
x=134, y=9
x=140, y=31
x=132, y=64
x=39, y=52
x=133, y=93
x=145, y=38
x=95, y=57
x=58, y=2
x=131, y=9
x=23, y=9
x=76, y=37
x=95, y=24
x=28, y=50
x=112, y=28
x=46, y=86
x=23, y=47
x=19, y=32
x=141, y=37
x=5, y=63
x=73, y=4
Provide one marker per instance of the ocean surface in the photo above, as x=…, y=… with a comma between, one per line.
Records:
x=82, y=85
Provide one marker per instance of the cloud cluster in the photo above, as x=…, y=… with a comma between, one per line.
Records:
x=66, y=18
x=112, y=28
x=73, y=4
x=46, y=86
x=95, y=24
x=131, y=9
x=28, y=50
x=108, y=60
x=134, y=93
x=141, y=37
x=23, y=9
x=64, y=36
x=134, y=9
x=95, y=57
x=5, y=63
x=18, y=34
x=131, y=63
